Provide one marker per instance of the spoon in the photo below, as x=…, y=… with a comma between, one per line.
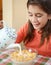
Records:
x=12, y=46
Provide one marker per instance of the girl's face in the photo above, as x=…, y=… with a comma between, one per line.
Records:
x=37, y=17
x=1, y=24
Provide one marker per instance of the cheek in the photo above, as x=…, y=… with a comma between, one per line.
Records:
x=43, y=23
x=43, y=20
x=30, y=18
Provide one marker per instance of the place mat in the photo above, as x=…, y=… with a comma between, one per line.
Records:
x=40, y=60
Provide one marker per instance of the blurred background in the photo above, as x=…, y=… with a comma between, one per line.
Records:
x=13, y=12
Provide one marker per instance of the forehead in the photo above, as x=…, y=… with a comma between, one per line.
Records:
x=35, y=9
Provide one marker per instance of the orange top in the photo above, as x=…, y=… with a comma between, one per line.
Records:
x=45, y=49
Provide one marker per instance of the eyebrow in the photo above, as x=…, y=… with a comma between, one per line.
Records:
x=35, y=13
x=29, y=12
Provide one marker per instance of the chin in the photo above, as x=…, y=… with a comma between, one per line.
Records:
x=37, y=28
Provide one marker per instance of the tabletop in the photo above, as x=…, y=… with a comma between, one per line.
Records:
x=40, y=60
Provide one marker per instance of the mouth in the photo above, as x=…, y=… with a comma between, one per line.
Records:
x=36, y=24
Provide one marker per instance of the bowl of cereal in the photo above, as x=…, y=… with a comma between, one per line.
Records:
x=23, y=56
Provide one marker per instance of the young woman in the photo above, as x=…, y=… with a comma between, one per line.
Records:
x=36, y=33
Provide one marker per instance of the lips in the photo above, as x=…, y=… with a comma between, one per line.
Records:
x=37, y=24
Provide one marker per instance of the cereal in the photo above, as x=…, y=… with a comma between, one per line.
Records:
x=25, y=56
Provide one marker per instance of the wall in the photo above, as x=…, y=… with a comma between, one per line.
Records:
x=0, y=9
x=7, y=11
x=19, y=13
x=15, y=12
x=0, y=4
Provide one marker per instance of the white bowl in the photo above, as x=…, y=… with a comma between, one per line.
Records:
x=29, y=62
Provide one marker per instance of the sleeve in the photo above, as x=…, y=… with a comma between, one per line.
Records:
x=21, y=33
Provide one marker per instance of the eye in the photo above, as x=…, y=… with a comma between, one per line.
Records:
x=38, y=15
x=30, y=15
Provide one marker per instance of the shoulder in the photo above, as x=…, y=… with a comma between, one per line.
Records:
x=24, y=27
x=22, y=32
x=50, y=39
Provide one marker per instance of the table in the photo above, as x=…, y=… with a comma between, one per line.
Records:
x=40, y=60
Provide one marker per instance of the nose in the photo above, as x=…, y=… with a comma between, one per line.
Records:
x=34, y=19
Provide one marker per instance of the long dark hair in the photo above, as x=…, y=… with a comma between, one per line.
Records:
x=46, y=31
